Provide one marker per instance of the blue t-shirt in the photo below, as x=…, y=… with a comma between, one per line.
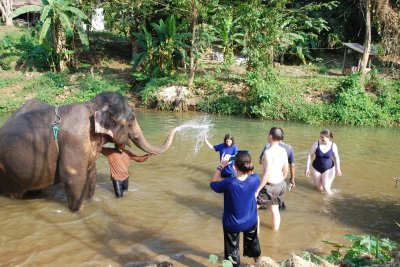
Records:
x=228, y=171
x=240, y=205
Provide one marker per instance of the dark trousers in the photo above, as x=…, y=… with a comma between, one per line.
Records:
x=251, y=245
x=120, y=186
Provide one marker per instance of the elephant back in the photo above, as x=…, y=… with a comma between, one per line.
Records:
x=28, y=155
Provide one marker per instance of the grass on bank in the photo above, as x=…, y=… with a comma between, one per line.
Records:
x=54, y=88
x=312, y=94
x=23, y=74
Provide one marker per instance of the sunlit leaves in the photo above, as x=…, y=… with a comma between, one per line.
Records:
x=162, y=49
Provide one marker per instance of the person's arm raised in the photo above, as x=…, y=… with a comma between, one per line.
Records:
x=208, y=143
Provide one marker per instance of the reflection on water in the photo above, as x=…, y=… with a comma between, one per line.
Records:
x=170, y=209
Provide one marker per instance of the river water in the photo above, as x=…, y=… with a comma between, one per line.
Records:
x=170, y=211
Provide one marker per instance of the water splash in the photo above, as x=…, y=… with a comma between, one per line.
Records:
x=201, y=126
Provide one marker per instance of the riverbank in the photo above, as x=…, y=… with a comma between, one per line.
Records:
x=317, y=93
x=188, y=259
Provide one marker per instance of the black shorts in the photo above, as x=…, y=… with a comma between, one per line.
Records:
x=271, y=194
x=251, y=244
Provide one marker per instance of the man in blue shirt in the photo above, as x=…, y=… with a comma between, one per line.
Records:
x=240, y=207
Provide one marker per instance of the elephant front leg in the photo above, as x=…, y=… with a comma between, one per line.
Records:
x=75, y=194
x=91, y=181
x=75, y=187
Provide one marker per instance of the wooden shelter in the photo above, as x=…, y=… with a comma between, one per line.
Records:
x=29, y=18
x=359, y=49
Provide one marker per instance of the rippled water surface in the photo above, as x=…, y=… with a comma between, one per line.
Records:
x=171, y=211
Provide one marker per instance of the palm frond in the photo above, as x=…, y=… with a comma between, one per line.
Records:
x=25, y=9
x=45, y=29
x=158, y=28
x=64, y=19
x=45, y=13
x=170, y=26
x=83, y=37
x=77, y=12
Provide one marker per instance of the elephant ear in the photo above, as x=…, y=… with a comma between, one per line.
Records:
x=100, y=119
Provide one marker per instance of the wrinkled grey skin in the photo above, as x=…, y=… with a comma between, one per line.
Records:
x=31, y=159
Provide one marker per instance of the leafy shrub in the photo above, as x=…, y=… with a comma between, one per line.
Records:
x=32, y=54
x=374, y=82
x=263, y=100
x=310, y=113
x=162, y=49
x=224, y=105
x=354, y=107
x=389, y=101
x=224, y=263
x=208, y=85
x=365, y=250
x=25, y=51
x=9, y=52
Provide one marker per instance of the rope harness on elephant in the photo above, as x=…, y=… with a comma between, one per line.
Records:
x=56, y=126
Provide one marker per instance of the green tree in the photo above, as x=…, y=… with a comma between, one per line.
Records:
x=301, y=30
x=62, y=21
x=196, y=13
x=228, y=32
x=260, y=23
x=127, y=17
x=162, y=52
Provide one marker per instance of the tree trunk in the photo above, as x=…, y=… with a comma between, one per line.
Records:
x=59, y=41
x=6, y=9
x=134, y=44
x=193, y=42
x=367, y=39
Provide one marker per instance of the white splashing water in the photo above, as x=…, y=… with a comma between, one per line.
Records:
x=201, y=127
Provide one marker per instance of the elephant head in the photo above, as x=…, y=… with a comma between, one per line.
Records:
x=114, y=117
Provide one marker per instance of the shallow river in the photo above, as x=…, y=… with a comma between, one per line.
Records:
x=170, y=211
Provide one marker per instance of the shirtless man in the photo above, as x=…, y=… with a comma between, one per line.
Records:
x=292, y=168
x=275, y=168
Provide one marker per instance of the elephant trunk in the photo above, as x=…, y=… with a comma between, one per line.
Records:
x=138, y=139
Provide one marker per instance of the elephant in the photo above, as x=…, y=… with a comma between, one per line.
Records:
x=42, y=145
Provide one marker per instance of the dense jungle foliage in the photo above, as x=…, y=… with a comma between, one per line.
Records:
x=272, y=60
x=231, y=55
